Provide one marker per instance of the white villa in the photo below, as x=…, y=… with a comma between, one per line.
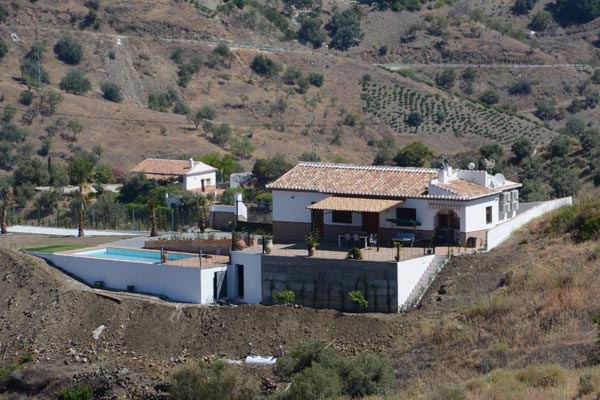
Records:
x=192, y=175
x=447, y=205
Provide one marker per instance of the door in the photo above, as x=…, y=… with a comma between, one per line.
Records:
x=370, y=222
x=220, y=285
x=240, y=280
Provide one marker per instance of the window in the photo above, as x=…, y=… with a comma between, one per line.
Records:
x=488, y=215
x=341, y=217
x=408, y=214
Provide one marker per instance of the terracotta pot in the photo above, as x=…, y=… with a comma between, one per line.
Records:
x=240, y=244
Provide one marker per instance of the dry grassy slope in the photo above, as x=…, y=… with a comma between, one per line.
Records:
x=141, y=65
x=527, y=303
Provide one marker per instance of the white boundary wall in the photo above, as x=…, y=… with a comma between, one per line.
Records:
x=499, y=234
x=178, y=283
x=409, y=274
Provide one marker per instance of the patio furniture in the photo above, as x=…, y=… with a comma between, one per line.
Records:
x=373, y=240
x=405, y=238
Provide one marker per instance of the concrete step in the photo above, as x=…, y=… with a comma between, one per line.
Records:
x=425, y=280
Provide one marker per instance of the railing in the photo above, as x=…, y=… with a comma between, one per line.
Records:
x=199, y=260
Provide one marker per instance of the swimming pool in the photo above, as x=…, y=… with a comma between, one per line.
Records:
x=132, y=255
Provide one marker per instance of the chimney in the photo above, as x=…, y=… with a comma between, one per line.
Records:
x=444, y=174
x=191, y=163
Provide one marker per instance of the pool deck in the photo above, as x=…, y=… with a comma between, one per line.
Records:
x=207, y=260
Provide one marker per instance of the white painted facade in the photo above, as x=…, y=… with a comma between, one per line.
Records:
x=252, y=277
x=177, y=283
x=291, y=206
x=193, y=180
x=409, y=274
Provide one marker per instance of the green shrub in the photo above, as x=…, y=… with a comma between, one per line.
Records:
x=523, y=6
x=316, y=79
x=521, y=87
x=76, y=393
x=181, y=107
x=307, y=355
x=357, y=298
x=285, y=296
x=489, y=97
x=578, y=10
x=311, y=32
x=542, y=20
x=75, y=82
x=446, y=79
x=367, y=375
x=264, y=66
x=26, y=97
x=111, y=91
x=541, y=376
x=217, y=382
x=315, y=383
x=344, y=30
x=581, y=219
x=414, y=119
x=68, y=50
x=355, y=254
x=162, y=101
x=30, y=76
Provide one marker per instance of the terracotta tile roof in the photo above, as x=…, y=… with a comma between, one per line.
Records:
x=156, y=167
x=369, y=180
x=354, y=204
x=467, y=189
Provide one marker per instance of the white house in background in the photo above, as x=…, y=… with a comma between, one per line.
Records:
x=192, y=175
x=446, y=205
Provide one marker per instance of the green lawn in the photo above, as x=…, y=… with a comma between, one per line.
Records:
x=56, y=248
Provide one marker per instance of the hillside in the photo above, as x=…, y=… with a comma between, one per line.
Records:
x=512, y=323
x=132, y=46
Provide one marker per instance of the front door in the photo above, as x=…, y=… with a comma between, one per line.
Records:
x=370, y=222
x=240, y=280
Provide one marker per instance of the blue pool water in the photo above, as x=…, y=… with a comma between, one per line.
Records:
x=132, y=255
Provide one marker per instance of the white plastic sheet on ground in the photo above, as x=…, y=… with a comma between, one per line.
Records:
x=258, y=360
x=98, y=331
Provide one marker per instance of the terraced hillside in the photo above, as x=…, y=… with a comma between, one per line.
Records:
x=393, y=103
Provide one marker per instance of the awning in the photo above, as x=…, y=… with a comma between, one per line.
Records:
x=438, y=206
x=354, y=204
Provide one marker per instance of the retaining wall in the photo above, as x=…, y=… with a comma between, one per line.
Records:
x=323, y=283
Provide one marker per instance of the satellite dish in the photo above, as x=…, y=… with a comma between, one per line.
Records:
x=499, y=180
x=471, y=166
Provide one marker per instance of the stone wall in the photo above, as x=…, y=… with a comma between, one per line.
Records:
x=290, y=232
x=323, y=283
x=222, y=221
x=221, y=246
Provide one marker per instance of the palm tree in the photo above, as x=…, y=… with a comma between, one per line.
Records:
x=8, y=197
x=80, y=171
x=153, y=206
x=203, y=205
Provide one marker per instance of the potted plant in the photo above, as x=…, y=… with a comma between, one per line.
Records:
x=240, y=244
x=312, y=242
x=355, y=254
x=268, y=243
x=397, y=246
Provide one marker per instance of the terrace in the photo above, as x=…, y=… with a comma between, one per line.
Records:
x=331, y=251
